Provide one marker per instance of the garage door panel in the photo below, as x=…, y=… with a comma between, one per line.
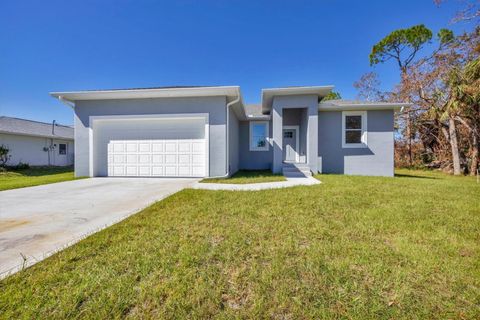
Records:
x=158, y=146
x=119, y=147
x=131, y=171
x=118, y=170
x=198, y=147
x=131, y=147
x=184, y=146
x=144, y=171
x=183, y=159
x=198, y=159
x=184, y=170
x=168, y=158
x=144, y=158
x=157, y=158
x=119, y=158
x=198, y=171
x=144, y=147
x=170, y=171
x=157, y=171
x=132, y=158
x=170, y=146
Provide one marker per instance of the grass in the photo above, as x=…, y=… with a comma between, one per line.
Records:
x=34, y=176
x=248, y=176
x=353, y=248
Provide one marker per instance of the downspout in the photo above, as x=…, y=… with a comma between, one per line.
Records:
x=227, y=137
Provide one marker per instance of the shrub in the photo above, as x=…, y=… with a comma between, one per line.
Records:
x=4, y=155
x=20, y=166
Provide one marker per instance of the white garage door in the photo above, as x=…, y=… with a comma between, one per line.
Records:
x=157, y=158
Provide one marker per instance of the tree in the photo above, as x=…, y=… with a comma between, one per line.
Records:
x=402, y=46
x=470, y=11
x=332, y=95
x=369, y=88
x=444, y=88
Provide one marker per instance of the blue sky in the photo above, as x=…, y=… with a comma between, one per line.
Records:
x=77, y=45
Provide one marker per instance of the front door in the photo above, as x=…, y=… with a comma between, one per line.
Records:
x=289, y=145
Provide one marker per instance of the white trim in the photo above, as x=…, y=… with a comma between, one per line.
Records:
x=72, y=96
x=267, y=131
x=364, y=106
x=205, y=116
x=364, y=130
x=297, y=141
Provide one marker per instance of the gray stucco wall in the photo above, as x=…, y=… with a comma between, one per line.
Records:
x=233, y=150
x=253, y=160
x=376, y=160
x=214, y=106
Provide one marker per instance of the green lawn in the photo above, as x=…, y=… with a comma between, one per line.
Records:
x=352, y=247
x=248, y=176
x=34, y=176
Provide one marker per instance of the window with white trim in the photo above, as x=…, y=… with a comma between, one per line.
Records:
x=354, y=129
x=259, y=135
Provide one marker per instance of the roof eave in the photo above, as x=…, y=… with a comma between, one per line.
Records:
x=37, y=135
x=363, y=106
x=230, y=91
x=268, y=94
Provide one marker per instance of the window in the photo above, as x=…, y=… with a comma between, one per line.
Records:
x=259, y=136
x=62, y=148
x=354, y=129
x=288, y=134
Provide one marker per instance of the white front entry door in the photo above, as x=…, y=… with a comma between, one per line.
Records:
x=290, y=145
x=157, y=158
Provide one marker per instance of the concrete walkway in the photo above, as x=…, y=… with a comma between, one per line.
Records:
x=36, y=222
x=291, y=182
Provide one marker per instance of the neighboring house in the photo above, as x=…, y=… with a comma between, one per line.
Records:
x=209, y=132
x=37, y=143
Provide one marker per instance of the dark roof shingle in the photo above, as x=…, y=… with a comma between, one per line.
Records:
x=34, y=128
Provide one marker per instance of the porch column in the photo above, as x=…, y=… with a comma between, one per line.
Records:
x=312, y=137
x=277, y=125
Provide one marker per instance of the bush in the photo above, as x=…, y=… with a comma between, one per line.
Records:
x=4, y=155
x=20, y=166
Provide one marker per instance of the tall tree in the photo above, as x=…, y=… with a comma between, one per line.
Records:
x=402, y=46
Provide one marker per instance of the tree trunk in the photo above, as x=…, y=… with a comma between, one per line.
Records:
x=474, y=164
x=454, y=145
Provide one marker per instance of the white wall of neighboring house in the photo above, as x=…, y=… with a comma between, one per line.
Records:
x=30, y=149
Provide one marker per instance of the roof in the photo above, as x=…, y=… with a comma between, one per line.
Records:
x=231, y=92
x=350, y=105
x=268, y=94
x=34, y=128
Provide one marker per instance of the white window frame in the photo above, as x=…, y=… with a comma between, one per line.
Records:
x=267, y=130
x=364, y=131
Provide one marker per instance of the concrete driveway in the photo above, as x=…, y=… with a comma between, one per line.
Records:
x=38, y=221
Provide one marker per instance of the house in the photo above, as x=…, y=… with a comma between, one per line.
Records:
x=37, y=143
x=211, y=132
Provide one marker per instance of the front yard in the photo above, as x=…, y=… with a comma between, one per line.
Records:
x=352, y=247
x=34, y=176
